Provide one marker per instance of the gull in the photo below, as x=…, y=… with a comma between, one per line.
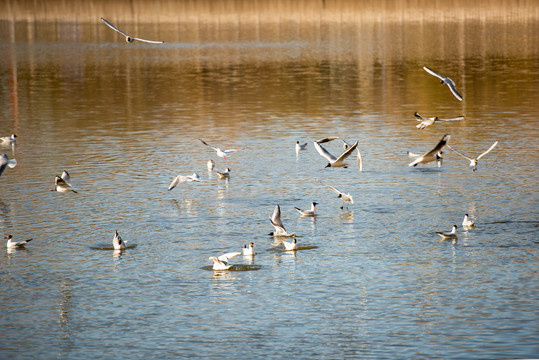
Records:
x=62, y=183
x=445, y=80
x=8, y=140
x=439, y=158
x=450, y=235
x=424, y=122
x=346, y=146
x=346, y=198
x=117, y=241
x=300, y=146
x=473, y=162
x=293, y=245
x=182, y=178
x=128, y=38
x=434, y=154
x=220, y=153
x=333, y=161
x=310, y=212
x=211, y=165
x=467, y=223
x=275, y=220
x=224, y=174
x=4, y=161
x=221, y=262
x=249, y=250
x=15, y=244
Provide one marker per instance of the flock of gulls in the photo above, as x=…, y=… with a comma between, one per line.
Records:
x=63, y=184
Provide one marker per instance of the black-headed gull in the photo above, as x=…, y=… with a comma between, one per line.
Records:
x=63, y=183
x=15, y=244
x=433, y=155
x=277, y=223
x=220, y=153
x=346, y=198
x=182, y=178
x=334, y=161
x=445, y=80
x=290, y=246
x=467, y=223
x=210, y=165
x=224, y=174
x=473, y=162
x=449, y=235
x=5, y=161
x=128, y=38
x=424, y=122
x=221, y=262
x=8, y=140
x=346, y=146
x=300, y=147
x=249, y=250
x=310, y=212
x=118, y=242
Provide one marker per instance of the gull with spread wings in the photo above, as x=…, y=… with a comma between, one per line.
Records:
x=424, y=122
x=473, y=162
x=220, y=153
x=346, y=146
x=128, y=38
x=335, y=161
x=433, y=155
x=445, y=80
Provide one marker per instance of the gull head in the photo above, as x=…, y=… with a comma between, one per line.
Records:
x=328, y=165
x=129, y=39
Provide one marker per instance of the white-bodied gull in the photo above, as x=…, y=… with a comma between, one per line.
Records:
x=449, y=235
x=8, y=140
x=346, y=198
x=128, y=38
x=309, y=212
x=277, y=223
x=249, y=250
x=221, y=262
x=346, y=146
x=334, y=161
x=445, y=80
x=220, y=153
x=182, y=178
x=467, y=223
x=62, y=183
x=424, y=122
x=433, y=155
x=5, y=161
x=473, y=162
x=15, y=244
x=118, y=242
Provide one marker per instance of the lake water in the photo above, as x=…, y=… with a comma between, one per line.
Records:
x=372, y=282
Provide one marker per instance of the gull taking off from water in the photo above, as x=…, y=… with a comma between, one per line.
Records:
x=310, y=212
x=334, y=161
x=467, y=223
x=182, y=178
x=473, y=162
x=128, y=38
x=8, y=140
x=429, y=121
x=346, y=146
x=346, y=198
x=4, y=161
x=249, y=250
x=117, y=241
x=450, y=235
x=434, y=154
x=220, y=153
x=15, y=244
x=300, y=147
x=445, y=80
x=275, y=220
x=211, y=165
x=221, y=262
x=63, y=183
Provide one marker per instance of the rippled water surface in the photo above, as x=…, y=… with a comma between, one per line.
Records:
x=371, y=282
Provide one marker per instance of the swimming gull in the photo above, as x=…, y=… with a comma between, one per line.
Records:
x=300, y=146
x=277, y=223
x=310, y=212
x=15, y=244
x=211, y=165
x=63, y=183
x=8, y=140
x=249, y=250
x=293, y=245
x=221, y=262
x=467, y=223
x=118, y=242
x=224, y=174
x=449, y=235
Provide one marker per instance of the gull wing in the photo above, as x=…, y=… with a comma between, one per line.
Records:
x=227, y=256
x=114, y=28
x=486, y=152
x=334, y=190
x=65, y=176
x=276, y=218
x=453, y=89
x=324, y=152
x=231, y=150
x=418, y=117
x=359, y=161
x=331, y=138
x=177, y=180
x=347, y=153
x=434, y=73
x=452, y=119
x=412, y=155
x=117, y=240
x=438, y=146
x=208, y=145
x=4, y=161
x=148, y=41
x=464, y=156
x=59, y=181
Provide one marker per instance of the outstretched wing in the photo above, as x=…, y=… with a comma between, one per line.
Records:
x=227, y=256
x=324, y=152
x=114, y=27
x=208, y=145
x=434, y=73
x=177, y=180
x=148, y=41
x=438, y=146
x=452, y=119
x=453, y=89
x=334, y=190
x=276, y=218
x=464, y=156
x=347, y=153
x=489, y=149
x=418, y=117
